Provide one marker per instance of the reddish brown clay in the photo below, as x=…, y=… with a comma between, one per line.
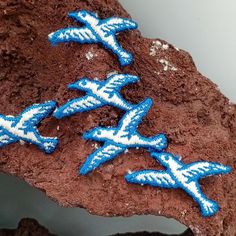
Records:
x=198, y=120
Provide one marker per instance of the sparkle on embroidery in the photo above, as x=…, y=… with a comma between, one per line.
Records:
x=183, y=176
x=23, y=128
x=117, y=140
x=98, y=94
x=96, y=31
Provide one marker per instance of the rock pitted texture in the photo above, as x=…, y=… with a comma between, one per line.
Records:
x=198, y=120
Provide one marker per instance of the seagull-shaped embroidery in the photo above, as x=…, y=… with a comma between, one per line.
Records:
x=96, y=31
x=117, y=140
x=98, y=94
x=24, y=127
x=183, y=176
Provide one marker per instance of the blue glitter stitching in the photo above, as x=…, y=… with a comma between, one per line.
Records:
x=117, y=140
x=183, y=176
x=24, y=127
x=96, y=31
x=98, y=94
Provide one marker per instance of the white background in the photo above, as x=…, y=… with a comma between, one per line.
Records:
x=205, y=28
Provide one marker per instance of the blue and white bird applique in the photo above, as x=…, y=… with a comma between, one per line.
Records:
x=183, y=176
x=96, y=31
x=125, y=135
x=24, y=127
x=98, y=94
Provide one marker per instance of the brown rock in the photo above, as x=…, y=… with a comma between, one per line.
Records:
x=199, y=121
x=186, y=233
x=26, y=227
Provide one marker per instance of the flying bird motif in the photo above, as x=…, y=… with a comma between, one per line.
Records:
x=183, y=176
x=24, y=127
x=98, y=94
x=125, y=135
x=96, y=31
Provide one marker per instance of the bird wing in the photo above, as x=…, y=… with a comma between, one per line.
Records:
x=116, y=25
x=151, y=177
x=132, y=118
x=100, y=156
x=199, y=170
x=73, y=34
x=116, y=82
x=5, y=139
x=77, y=105
x=32, y=115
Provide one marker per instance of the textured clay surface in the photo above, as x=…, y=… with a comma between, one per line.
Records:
x=26, y=227
x=198, y=120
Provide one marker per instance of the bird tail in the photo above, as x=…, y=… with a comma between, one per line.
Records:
x=209, y=208
x=61, y=36
x=159, y=142
x=125, y=58
x=49, y=145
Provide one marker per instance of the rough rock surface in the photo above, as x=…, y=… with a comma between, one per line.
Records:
x=26, y=227
x=199, y=121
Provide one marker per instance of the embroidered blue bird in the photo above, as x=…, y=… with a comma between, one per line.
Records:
x=24, y=127
x=98, y=94
x=96, y=31
x=117, y=140
x=183, y=176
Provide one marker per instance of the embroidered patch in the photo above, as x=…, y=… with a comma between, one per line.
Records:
x=125, y=135
x=96, y=31
x=183, y=176
x=24, y=127
x=99, y=93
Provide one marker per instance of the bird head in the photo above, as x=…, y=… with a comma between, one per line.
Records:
x=82, y=84
x=94, y=134
x=164, y=158
x=167, y=160
x=83, y=16
x=2, y=117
